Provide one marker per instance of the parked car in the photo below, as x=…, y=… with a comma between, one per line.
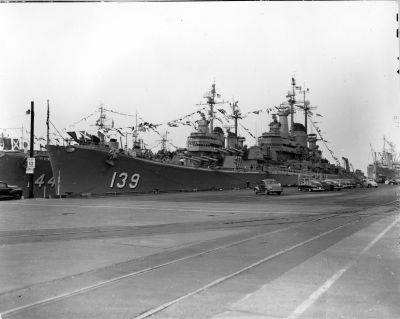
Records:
x=311, y=186
x=335, y=185
x=268, y=186
x=369, y=183
x=9, y=192
x=394, y=181
x=326, y=186
x=347, y=183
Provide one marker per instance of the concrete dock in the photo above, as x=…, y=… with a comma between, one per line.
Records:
x=221, y=254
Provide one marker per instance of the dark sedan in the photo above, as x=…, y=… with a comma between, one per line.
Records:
x=311, y=186
x=9, y=192
x=333, y=185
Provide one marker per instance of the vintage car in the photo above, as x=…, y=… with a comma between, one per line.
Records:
x=311, y=186
x=368, y=182
x=394, y=181
x=334, y=184
x=268, y=186
x=348, y=183
x=9, y=192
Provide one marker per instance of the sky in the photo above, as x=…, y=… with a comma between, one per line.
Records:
x=158, y=60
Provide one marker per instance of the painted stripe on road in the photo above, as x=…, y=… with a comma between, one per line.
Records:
x=107, y=282
x=171, y=208
x=155, y=310
x=321, y=290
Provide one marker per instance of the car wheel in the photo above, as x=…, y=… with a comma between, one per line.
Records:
x=279, y=193
x=18, y=196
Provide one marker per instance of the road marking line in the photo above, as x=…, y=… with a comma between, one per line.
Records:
x=106, y=282
x=321, y=290
x=155, y=310
x=147, y=207
x=222, y=279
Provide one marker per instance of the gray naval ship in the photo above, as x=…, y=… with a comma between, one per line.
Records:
x=212, y=159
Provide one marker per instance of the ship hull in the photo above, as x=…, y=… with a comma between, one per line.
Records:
x=378, y=172
x=82, y=170
x=13, y=172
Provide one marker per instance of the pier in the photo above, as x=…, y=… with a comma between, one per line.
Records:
x=220, y=254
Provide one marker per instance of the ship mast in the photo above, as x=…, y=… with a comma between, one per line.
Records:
x=235, y=115
x=292, y=101
x=136, y=130
x=211, y=102
x=306, y=107
x=164, y=141
x=100, y=120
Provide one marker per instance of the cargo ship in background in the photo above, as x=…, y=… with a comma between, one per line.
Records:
x=386, y=164
x=212, y=158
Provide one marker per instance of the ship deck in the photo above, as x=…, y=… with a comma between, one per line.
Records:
x=214, y=254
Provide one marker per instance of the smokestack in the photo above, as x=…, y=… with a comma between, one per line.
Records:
x=312, y=141
x=283, y=114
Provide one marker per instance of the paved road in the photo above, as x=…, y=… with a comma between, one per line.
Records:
x=223, y=254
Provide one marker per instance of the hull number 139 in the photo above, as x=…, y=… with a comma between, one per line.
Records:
x=120, y=180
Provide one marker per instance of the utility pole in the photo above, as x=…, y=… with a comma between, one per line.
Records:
x=48, y=123
x=31, y=175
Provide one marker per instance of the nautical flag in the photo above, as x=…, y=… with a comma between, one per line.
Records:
x=318, y=114
x=222, y=111
x=256, y=112
x=119, y=132
x=6, y=143
x=73, y=135
x=15, y=144
x=85, y=135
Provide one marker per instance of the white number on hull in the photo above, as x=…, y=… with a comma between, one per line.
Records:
x=123, y=178
x=51, y=181
x=40, y=181
x=134, y=181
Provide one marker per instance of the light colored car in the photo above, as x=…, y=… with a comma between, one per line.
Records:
x=268, y=186
x=369, y=183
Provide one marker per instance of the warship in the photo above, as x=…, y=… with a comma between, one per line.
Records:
x=212, y=158
x=386, y=164
x=13, y=164
x=14, y=156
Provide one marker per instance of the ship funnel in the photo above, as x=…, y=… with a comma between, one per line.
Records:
x=312, y=141
x=283, y=114
x=203, y=126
